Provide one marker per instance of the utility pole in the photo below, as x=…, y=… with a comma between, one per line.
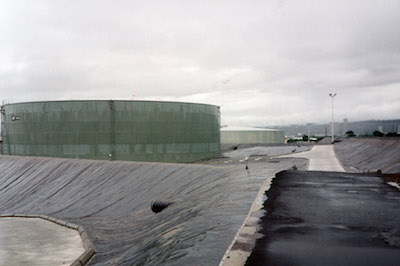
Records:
x=332, y=95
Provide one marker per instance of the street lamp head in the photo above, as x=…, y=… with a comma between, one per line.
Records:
x=332, y=94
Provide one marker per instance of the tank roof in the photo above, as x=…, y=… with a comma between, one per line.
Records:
x=138, y=101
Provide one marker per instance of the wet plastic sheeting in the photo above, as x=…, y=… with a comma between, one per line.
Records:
x=261, y=151
x=369, y=154
x=112, y=201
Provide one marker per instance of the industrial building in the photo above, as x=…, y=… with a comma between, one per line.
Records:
x=112, y=130
x=250, y=135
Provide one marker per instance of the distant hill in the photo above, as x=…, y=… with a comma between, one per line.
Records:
x=359, y=128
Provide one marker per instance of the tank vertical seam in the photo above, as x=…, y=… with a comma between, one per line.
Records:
x=6, y=131
x=112, y=128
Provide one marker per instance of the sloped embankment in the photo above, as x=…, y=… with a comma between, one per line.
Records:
x=112, y=201
x=369, y=154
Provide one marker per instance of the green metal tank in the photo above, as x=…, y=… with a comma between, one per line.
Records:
x=112, y=130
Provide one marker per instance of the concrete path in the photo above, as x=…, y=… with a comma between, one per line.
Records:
x=34, y=241
x=329, y=218
x=321, y=158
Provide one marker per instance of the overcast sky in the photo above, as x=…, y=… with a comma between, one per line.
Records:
x=264, y=62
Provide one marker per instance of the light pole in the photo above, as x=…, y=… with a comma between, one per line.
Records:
x=332, y=95
x=308, y=127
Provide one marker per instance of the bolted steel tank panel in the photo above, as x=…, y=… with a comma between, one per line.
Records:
x=112, y=130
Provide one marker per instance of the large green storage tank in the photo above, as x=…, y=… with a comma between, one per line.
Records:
x=112, y=130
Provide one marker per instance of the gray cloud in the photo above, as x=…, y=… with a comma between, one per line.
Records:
x=263, y=62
